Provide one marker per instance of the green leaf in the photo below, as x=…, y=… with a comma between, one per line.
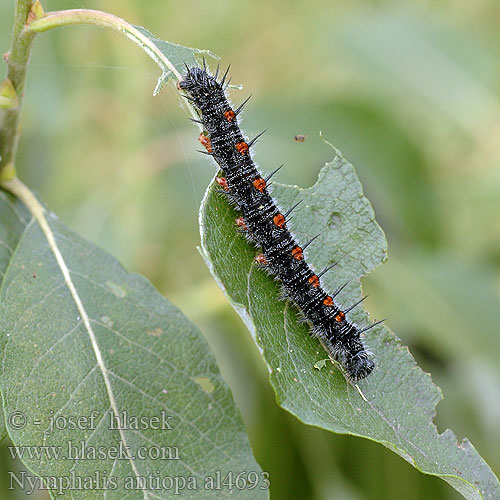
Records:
x=82, y=335
x=178, y=56
x=13, y=220
x=400, y=398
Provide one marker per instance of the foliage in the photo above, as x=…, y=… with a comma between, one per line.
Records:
x=390, y=150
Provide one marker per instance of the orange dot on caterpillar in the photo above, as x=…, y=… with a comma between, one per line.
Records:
x=259, y=184
x=260, y=258
x=279, y=221
x=205, y=141
x=242, y=147
x=297, y=253
x=340, y=317
x=230, y=115
x=314, y=281
x=240, y=222
x=221, y=181
x=328, y=301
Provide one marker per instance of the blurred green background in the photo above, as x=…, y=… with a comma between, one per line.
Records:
x=408, y=91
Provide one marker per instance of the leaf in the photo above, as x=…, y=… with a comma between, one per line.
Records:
x=178, y=55
x=400, y=398
x=13, y=220
x=83, y=335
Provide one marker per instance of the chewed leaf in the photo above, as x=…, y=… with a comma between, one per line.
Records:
x=178, y=55
x=84, y=340
x=400, y=398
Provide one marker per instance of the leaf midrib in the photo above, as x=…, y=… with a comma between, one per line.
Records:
x=38, y=212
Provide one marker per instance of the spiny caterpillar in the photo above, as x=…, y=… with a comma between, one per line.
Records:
x=266, y=227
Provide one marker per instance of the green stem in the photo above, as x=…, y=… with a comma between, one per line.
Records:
x=17, y=63
x=98, y=18
x=18, y=59
x=23, y=193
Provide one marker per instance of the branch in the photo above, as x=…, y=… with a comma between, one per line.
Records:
x=104, y=20
x=17, y=63
x=30, y=20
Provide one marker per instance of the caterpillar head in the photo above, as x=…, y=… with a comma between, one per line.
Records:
x=197, y=79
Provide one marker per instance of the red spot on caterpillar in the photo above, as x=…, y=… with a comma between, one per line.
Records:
x=297, y=253
x=259, y=184
x=279, y=221
x=260, y=258
x=240, y=222
x=314, y=281
x=221, y=181
x=242, y=147
x=328, y=301
x=178, y=85
x=340, y=317
x=230, y=115
x=205, y=141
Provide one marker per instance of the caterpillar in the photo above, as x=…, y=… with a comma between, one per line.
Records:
x=265, y=225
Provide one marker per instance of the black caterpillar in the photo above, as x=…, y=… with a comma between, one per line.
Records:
x=265, y=226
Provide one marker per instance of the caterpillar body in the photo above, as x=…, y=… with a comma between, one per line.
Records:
x=266, y=227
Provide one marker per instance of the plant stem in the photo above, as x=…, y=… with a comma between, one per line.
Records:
x=30, y=20
x=17, y=63
x=23, y=193
x=59, y=18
